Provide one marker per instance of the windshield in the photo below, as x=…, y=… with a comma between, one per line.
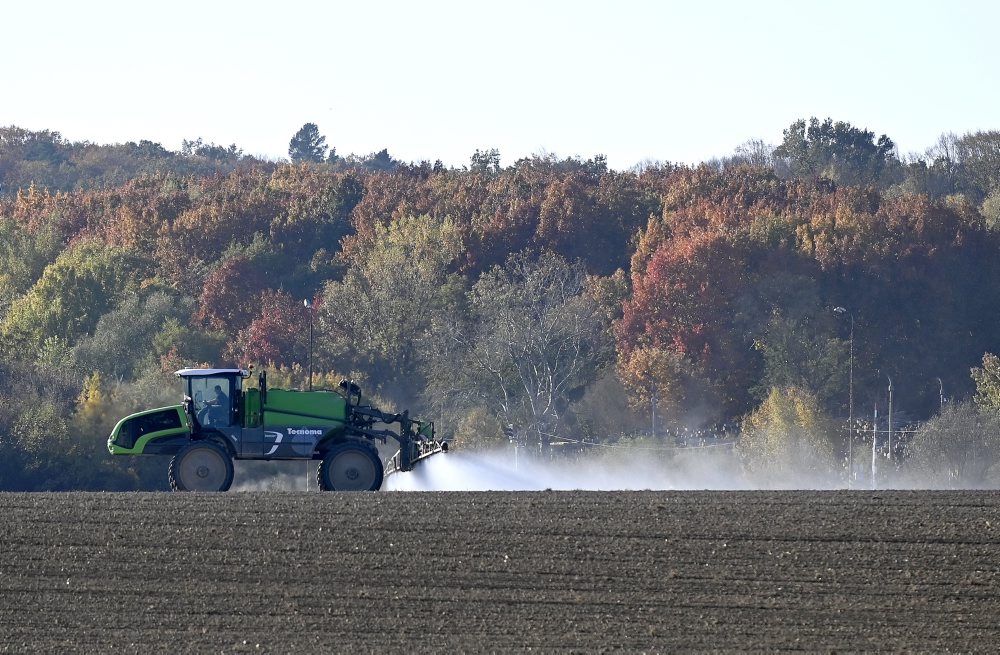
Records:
x=211, y=398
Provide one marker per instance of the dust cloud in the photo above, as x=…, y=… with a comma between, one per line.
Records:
x=274, y=476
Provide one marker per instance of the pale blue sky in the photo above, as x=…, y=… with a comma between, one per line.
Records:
x=631, y=79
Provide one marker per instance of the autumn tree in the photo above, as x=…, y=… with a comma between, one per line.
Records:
x=937, y=172
x=991, y=210
x=230, y=295
x=386, y=197
x=683, y=300
x=313, y=217
x=967, y=165
x=278, y=335
x=912, y=268
x=987, y=379
x=592, y=218
x=788, y=442
x=657, y=379
x=228, y=214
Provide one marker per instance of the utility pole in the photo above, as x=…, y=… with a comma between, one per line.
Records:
x=874, y=442
x=652, y=409
x=850, y=402
x=889, y=454
x=308, y=305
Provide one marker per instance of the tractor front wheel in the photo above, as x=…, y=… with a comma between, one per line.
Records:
x=201, y=466
x=350, y=466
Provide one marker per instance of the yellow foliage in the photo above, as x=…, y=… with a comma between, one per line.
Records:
x=650, y=372
x=789, y=437
x=94, y=415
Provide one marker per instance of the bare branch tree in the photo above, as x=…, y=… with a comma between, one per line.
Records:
x=536, y=335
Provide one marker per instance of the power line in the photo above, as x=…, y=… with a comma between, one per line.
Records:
x=564, y=440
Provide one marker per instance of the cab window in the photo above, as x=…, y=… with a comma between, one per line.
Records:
x=212, y=399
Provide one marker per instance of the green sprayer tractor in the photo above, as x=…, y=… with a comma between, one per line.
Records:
x=221, y=421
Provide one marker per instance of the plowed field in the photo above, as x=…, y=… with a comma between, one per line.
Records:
x=499, y=571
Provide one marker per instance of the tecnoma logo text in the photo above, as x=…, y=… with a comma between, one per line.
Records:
x=303, y=432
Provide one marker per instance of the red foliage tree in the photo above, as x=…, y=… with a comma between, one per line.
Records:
x=683, y=300
x=231, y=296
x=277, y=336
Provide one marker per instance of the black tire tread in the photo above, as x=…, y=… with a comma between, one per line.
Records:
x=350, y=444
x=171, y=473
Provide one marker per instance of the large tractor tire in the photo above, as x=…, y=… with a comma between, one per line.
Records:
x=201, y=466
x=350, y=466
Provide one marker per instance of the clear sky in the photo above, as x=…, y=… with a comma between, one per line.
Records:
x=437, y=79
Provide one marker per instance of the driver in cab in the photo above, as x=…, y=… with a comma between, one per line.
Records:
x=218, y=409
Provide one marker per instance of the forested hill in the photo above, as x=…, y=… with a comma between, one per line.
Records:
x=553, y=298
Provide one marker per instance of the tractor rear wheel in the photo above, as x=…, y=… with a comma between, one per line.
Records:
x=350, y=466
x=201, y=466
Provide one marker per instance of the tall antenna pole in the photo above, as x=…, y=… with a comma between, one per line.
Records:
x=889, y=455
x=308, y=305
x=850, y=402
x=874, y=442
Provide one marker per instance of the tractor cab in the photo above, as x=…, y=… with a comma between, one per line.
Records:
x=213, y=396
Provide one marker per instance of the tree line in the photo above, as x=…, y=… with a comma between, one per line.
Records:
x=552, y=300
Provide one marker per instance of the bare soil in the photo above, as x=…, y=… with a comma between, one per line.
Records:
x=499, y=571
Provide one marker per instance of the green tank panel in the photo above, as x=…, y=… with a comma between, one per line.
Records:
x=288, y=408
x=251, y=408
